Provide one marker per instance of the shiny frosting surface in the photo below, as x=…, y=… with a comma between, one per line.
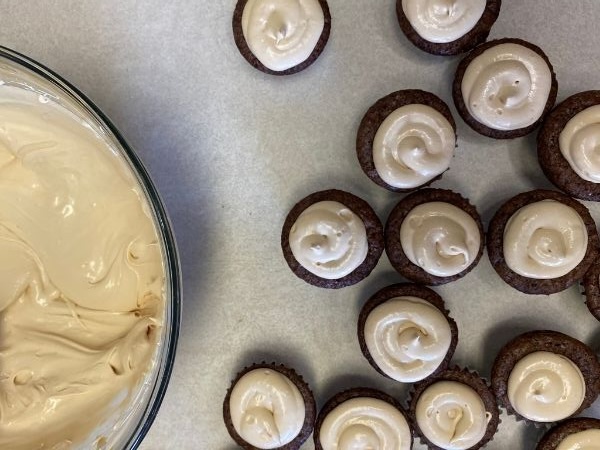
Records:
x=579, y=143
x=81, y=276
x=267, y=409
x=412, y=146
x=440, y=238
x=507, y=87
x=329, y=240
x=545, y=240
x=365, y=423
x=442, y=21
x=282, y=33
x=546, y=387
x=452, y=415
x=584, y=440
x=408, y=338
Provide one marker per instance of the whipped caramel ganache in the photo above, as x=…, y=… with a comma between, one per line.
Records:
x=82, y=281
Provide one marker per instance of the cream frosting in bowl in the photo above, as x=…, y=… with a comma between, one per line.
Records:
x=89, y=276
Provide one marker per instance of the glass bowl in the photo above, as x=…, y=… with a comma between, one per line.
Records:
x=132, y=425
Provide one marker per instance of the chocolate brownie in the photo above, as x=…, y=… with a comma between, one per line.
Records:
x=554, y=164
x=307, y=396
x=350, y=394
x=471, y=39
x=376, y=115
x=545, y=341
x=470, y=379
x=559, y=433
x=242, y=45
x=393, y=245
x=495, y=244
x=406, y=290
x=475, y=124
x=374, y=231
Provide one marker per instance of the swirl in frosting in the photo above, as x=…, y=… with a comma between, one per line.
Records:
x=440, y=238
x=546, y=387
x=442, y=21
x=282, y=33
x=545, y=240
x=412, y=146
x=583, y=440
x=329, y=240
x=408, y=338
x=82, y=283
x=452, y=415
x=507, y=87
x=579, y=143
x=365, y=423
x=267, y=409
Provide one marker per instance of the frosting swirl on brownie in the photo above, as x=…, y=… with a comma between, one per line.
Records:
x=583, y=440
x=267, y=409
x=545, y=240
x=408, y=338
x=282, y=33
x=442, y=21
x=412, y=146
x=507, y=87
x=452, y=415
x=440, y=238
x=579, y=143
x=329, y=240
x=546, y=387
x=365, y=422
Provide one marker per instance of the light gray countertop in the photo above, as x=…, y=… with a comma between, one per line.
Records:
x=232, y=149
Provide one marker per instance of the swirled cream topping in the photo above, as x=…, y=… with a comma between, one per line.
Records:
x=507, y=87
x=452, y=415
x=81, y=276
x=440, y=238
x=412, y=146
x=579, y=143
x=329, y=240
x=408, y=338
x=267, y=409
x=365, y=423
x=583, y=440
x=546, y=387
x=282, y=33
x=442, y=21
x=545, y=240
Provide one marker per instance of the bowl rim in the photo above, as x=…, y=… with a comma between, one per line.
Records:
x=172, y=263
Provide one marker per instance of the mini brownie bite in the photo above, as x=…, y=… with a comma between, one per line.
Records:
x=406, y=333
x=332, y=239
x=362, y=418
x=574, y=434
x=455, y=410
x=568, y=144
x=269, y=406
x=545, y=376
x=406, y=140
x=503, y=89
x=281, y=37
x=434, y=236
x=440, y=27
x=542, y=242
x=591, y=289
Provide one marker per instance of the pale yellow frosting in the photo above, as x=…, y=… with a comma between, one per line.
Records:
x=267, y=409
x=584, y=440
x=452, y=415
x=546, y=387
x=81, y=277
